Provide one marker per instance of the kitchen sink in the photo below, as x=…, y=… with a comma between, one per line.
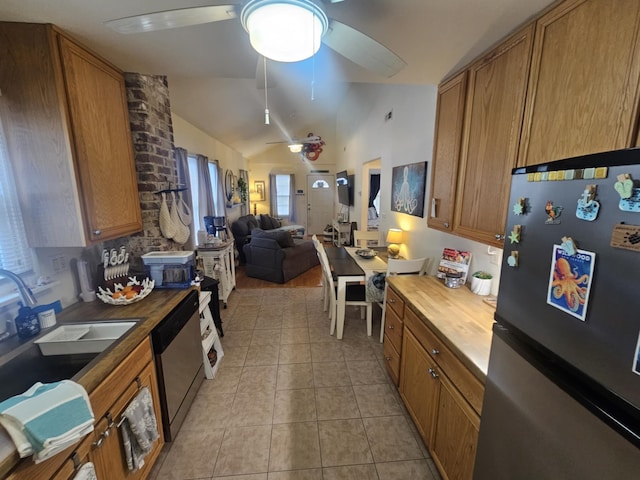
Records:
x=80, y=338
x=70, y=349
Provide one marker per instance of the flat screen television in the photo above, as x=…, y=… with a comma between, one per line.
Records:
x=344, y=184
x=344, y=195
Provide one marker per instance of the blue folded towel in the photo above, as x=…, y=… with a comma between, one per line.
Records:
x=47, y=418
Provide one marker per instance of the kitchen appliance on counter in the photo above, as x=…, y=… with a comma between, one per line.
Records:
x=562, y=396
x=177, y=349
x=170, y=269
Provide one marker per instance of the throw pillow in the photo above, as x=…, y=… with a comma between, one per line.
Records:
x=265, y=222
x=276, y=223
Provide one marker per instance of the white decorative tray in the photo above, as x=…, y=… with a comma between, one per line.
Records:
x=132, y=292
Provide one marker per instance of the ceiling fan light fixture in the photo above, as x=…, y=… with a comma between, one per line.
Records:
x=295, y=147
x=284, y=30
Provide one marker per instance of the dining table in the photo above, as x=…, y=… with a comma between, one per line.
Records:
x=349, y=267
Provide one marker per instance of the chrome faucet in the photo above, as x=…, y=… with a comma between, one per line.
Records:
x=28, y=299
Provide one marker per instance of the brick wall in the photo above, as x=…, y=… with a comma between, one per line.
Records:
x=152, y=132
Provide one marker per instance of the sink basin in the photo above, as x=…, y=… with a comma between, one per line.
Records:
x=77, y=338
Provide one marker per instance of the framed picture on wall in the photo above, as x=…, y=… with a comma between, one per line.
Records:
x=258, y=186
x=408, y=187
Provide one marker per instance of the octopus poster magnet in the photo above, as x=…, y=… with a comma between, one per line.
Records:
x=407, y=188
x=570, y=281
x=636, y=358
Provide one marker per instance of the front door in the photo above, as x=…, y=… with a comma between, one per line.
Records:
x=320, y=197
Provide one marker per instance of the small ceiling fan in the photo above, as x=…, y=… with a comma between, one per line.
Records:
x=313, y=25
x=309, y=146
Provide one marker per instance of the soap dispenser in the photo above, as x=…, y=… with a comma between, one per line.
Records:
x=27, y=323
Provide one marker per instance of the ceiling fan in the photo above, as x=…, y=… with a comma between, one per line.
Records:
x=345, y=40
x=310, y=146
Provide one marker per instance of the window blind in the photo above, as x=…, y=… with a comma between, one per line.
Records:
x=15, y=254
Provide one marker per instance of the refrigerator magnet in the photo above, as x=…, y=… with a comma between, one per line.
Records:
x=636, y=358
x=553, y=213
x=570, y=281
x=514, y=236
x=588, y=206
x=569, y=246
x=519, y=206
x=512, y=260
x=626, y=236
x=624, y=185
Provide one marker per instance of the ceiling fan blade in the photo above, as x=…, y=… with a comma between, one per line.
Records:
x=362, y=49
x=182, y=17
x=272, y=143
x=260, y=79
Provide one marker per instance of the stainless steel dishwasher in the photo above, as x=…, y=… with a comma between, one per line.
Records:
x=178, y=353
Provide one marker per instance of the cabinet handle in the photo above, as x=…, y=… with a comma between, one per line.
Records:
x=104, y=435
x=433, y=373
x=388, y=359
x=390, y=327
x=435, y=351
x=97, y=232
x=391, y=300
x=446, y=224
x=499, y=236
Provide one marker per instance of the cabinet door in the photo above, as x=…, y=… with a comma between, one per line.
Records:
x=109, y=455
x=446, y=151
x=419, y=387
x=493, y=120
x=102, y=140
x=80, y=456
x=583, y=94
x=455, y=438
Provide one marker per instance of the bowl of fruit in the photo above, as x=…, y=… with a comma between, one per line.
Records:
x=134, y=291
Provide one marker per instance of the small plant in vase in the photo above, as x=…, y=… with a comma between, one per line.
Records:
x=481, y=283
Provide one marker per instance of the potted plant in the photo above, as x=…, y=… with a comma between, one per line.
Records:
x=481, y=283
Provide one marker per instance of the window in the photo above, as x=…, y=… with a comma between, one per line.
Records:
x=283, y=195
x=320, y=184
x=15, y=254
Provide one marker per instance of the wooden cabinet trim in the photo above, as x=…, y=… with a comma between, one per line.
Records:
x=393, y=329
x=626, y=124
x=392, y=360
x=395, y=302
x=477, y=217
x=471, y=388
x=446, y=152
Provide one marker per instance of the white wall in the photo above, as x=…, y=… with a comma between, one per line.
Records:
x=363, y=135
x=195, y=141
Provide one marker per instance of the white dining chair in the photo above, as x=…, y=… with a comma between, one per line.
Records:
x=366, y=238
x=400, y=267
x=325, y=286
x=355, y=295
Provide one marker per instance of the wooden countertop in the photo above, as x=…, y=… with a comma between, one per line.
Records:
x=461, y=319
x=150, y=310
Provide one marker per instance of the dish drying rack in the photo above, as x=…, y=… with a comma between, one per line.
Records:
x=115, y=268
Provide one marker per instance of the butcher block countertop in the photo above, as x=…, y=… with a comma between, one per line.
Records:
x=461, y=319
x=150, y=310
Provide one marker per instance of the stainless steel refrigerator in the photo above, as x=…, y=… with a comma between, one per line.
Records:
x=562, y=398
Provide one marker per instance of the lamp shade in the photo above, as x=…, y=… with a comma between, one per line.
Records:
x=394, y=235
x=295, y=147
x=284, y=30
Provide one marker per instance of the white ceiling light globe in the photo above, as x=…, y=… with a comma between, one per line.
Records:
x=284, y=31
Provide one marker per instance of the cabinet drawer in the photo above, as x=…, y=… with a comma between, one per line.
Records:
x=395, y=302
x=393, y=326
x=470, y=387
x=391, y=360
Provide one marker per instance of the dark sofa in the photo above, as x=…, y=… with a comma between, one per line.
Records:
x=277, y=256
x=243, y=226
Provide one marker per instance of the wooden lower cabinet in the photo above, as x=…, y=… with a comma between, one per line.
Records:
x=445, y=418
x=108, y=453
x=454, y=442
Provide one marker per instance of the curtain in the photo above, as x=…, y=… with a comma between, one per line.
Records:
x=221, y=200
x=273, y=196
x=181, y=157
x=374, y=188
x=292, y=198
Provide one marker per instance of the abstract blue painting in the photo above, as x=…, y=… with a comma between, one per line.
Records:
x=408, y=187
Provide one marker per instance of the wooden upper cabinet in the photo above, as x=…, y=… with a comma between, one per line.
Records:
x=446, y=152
x=584, y=81
x=97, y=102
x=64, y=113
x=493, y=120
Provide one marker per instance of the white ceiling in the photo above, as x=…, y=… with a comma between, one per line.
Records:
x=212, y=68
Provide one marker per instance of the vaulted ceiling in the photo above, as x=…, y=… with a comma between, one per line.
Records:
x=212, y=68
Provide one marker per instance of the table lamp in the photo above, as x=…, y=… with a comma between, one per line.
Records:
x=394, y=237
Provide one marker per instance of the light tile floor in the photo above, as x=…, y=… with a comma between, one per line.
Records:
x=290, y=402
